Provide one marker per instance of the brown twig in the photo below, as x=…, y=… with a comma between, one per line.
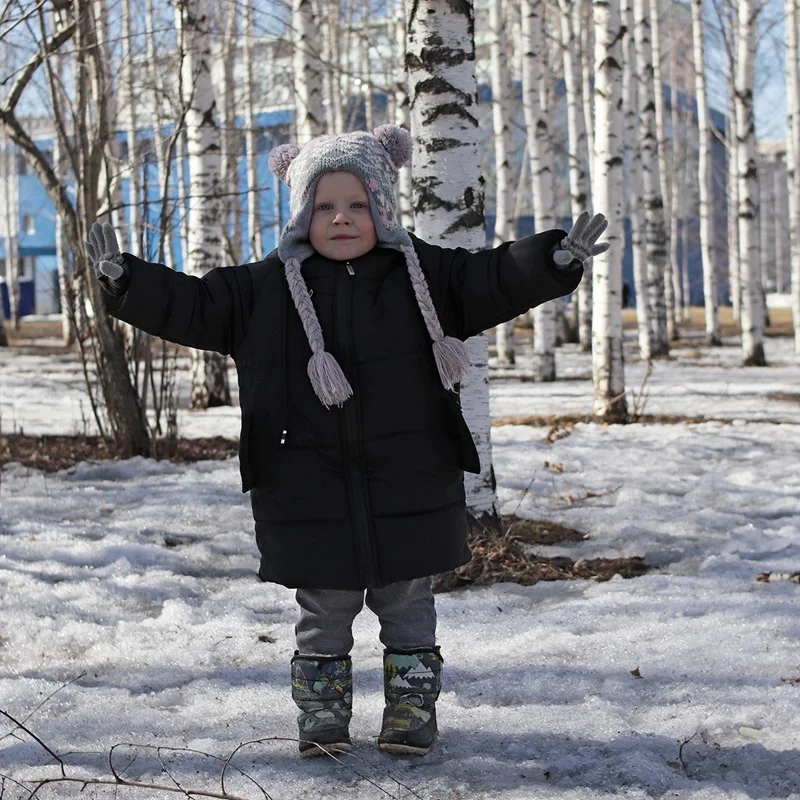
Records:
x=36, y=738
x=135, y=785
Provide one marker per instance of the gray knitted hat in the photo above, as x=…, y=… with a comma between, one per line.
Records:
x=375, y=159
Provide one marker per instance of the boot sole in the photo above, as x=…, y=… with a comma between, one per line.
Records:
x=403, y=749
x=326, y=749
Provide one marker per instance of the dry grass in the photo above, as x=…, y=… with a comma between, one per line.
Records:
x=780, y=321
x=53, y=453
x=506, y=558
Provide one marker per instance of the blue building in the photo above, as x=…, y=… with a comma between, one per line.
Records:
x=37, y=244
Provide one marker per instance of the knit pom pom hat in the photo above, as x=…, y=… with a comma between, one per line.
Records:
x=375, y=158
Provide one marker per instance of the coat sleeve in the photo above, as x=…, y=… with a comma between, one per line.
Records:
x=208, y=313
x=483, y=289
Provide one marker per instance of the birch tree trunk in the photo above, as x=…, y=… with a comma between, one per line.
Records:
x=504, y=220
x=130, y=104
x=704, y=179
x=204, y=246
x=793, y=157
x=578, y=152
x=780, y=222
x=675, y=175
x=752, y=312
x=66, y=288
x=232, y=209
x=307, y=72
x=448, y=190
x=664, y=168
x=9, y=179
x=366, y=66
x=587, y=75
x=607, y=362
x=633, y=189
x=534, y=103
x=255, y=239
x=163, y=164
x=655, y=231
x=402, y=114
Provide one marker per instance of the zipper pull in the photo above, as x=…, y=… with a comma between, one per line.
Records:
x=350, y=269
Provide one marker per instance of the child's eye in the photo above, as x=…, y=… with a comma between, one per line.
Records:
x=324, y=206
x=359, y=204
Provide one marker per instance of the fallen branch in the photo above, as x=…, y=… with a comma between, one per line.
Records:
x=774, y=577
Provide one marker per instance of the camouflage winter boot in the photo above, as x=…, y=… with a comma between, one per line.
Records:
x=411, y=683
x=322, y=687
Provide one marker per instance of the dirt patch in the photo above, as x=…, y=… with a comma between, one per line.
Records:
x=505, y=558
x=784, y=397
x=564, y=422
x=535, y=531
x=53, y=453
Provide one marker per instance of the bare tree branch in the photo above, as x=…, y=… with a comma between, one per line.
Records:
x=26, y=73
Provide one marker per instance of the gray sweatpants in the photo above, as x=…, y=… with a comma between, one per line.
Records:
x=405, y=610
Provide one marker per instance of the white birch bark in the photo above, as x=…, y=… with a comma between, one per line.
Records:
x=255, y=242
x=664, y=167
x=504, y=221
x=65, y=286
x=587, y=76
x=111, y=177
x=402, y=112
x=633, y=189
x=793, y=157
x=366, y=66
x=232, y=208
x=309, y=118
x=734, y=261
x=655, y=230
x=448, y=189
x=130, y=104
x=675, y=175
x=780, y=222
x=704, y=179
x=607, y=362
x=9, y=181
x=204, y=246
x=534, y=103
x=578, y=152
x=768, y=245
x=752, y=312
x=9, y=197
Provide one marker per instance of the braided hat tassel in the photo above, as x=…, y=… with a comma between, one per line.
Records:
x=450, y=354
x=327, y=379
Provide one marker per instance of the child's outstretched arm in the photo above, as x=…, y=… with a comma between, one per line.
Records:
x=477, y=291
x=207, y=313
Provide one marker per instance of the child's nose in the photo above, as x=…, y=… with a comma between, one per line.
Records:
x=341, y=217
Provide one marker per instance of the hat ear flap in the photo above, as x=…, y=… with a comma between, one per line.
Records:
x=280, y=159
x=397, y=141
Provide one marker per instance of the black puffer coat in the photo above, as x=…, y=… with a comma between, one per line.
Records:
x=372, y=492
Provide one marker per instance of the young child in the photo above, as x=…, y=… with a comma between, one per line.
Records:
x=348, y=341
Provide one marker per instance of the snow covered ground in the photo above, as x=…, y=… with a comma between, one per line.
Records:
x=128, y=588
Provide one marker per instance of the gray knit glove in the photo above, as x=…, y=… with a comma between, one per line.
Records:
x=580, y=242
x=108, y=263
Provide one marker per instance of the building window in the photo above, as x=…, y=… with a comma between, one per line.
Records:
x=29, y=224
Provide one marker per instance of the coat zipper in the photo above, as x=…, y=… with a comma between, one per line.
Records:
x=354, y=478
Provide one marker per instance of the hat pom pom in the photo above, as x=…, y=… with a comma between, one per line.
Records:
x=397, y=141
x=280, y=159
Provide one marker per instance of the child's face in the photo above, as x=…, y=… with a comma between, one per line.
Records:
x=341, y=222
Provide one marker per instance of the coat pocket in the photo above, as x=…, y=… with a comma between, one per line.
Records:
x=468, y=453
x=245, y=463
